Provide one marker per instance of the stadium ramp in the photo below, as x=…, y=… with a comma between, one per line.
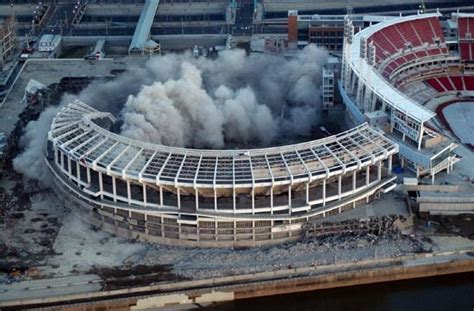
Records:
x=142, y=32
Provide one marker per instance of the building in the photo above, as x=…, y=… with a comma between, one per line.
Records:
x=328, y=88
x=210, y=198
x=293, y=28
x=326, y=30
x=49, y=43
x=8, y=40
x=398, y=72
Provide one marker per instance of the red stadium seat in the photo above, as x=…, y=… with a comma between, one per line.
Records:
x=458, y=84
x=452, y=83
x=446, y=82
x=469, y=82
x=466, y=42
x=396, y=38
x=436, y=85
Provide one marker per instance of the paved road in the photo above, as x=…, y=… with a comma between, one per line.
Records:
x=244, y=18
x=63, y=15
x=50, y=287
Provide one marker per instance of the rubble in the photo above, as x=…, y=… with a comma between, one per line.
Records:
x=381, y=225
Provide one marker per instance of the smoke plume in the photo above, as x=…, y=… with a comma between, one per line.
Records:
x=234, y=100
x=31, y=161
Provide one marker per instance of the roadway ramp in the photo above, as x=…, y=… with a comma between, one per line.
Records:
x=142, y=32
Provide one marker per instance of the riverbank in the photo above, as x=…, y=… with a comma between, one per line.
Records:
x=310, y=278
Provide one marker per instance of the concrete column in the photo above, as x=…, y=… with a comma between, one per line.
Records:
x=367, y=181
x=129, y=193
x=88, y=176
x=162, y=226
x=161, y=196
x=420, y=140
x=69, y=168
x=390, y=164
x=253, y=200
x=339, y=186
x=146, y=223
x=61, y=158
x=402, y=162
x=235, y=230
x=367, y=175
x=78, y=173
x=234, y=205
x=114, y=189
x=324, y=192
x=178, y=193
x=215, y=199
x=253, y=230
x=101, y=186
x=289, y=197
x=56, y=157
x=307, y=193
x=196, y=195
x=354, y=181
x=271, y=200
x=144, y=195
x=379, y=170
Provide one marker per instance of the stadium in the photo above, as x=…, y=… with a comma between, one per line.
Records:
x=398, y=73
x=212, y=197
x=394, y=76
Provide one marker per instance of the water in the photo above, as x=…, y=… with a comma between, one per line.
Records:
x=453, y=292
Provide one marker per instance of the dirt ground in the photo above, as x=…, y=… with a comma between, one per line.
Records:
x=31, y=223
x=57, y=240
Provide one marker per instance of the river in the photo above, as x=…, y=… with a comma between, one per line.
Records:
x=452, y=292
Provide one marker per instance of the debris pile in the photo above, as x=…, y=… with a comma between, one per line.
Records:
x=462, y=225
x=373, y=225
x=17, y=274
x=130, y=276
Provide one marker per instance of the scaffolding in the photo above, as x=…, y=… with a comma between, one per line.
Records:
x=8, y=40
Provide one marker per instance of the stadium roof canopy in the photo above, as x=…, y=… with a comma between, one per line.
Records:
x=80, y=131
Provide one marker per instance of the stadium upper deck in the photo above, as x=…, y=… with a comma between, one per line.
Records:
x=75, y=131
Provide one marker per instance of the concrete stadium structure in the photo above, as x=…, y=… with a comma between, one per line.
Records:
x=397, y=72
x=211, y=198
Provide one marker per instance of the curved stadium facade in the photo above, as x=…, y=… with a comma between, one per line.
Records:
x=211, y=198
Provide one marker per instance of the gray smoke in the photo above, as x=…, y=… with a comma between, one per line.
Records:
x=178, y=100
x=238, y=99
x=31, y=161
x=182, y=113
